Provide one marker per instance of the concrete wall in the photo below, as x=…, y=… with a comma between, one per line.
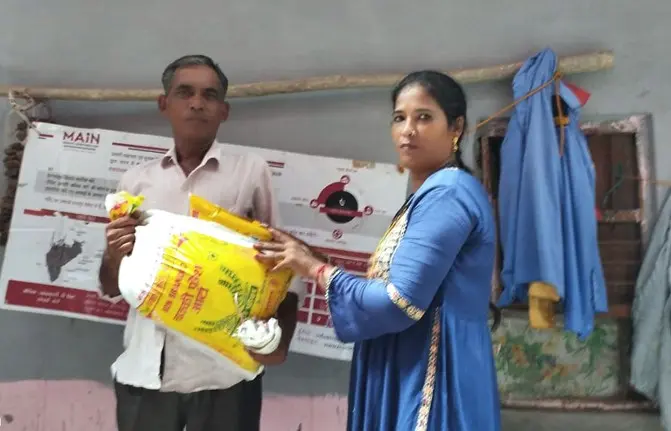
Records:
x=54, y=369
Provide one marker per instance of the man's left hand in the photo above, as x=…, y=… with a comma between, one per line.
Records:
x=286, y=324
x=276, y=358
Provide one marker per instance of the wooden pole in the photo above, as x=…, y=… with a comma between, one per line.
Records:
x=568, y=65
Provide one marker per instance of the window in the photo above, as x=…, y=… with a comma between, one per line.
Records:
x=624, y=195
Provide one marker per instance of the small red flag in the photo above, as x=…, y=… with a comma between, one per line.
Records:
x=582, y=95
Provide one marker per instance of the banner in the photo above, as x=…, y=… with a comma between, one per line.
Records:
x=57, y=236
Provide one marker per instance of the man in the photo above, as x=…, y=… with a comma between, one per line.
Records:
x=162, y=383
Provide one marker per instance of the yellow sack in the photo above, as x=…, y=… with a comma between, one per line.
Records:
x=205, y=210
x=198, y=278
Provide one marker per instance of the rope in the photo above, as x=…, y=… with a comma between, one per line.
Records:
x=14, y=134
x=561, y=115
x=29, y=108
x=556, y=79
x=21, y=109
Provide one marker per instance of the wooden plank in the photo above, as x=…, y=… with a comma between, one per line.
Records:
x=582, y=63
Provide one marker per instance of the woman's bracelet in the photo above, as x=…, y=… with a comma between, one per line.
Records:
x=320, y=273
x=323, y=277
x=327, y=284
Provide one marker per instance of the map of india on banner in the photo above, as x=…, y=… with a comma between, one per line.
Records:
x=57, y=236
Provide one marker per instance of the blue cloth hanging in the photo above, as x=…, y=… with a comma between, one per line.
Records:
x=548, y=228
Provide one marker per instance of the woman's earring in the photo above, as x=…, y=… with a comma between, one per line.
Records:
x=455, y=144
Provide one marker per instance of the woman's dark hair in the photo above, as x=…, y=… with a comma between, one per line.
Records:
x=447, y=93
x=451, y=98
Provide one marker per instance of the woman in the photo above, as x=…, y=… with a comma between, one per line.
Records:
x=423, y=356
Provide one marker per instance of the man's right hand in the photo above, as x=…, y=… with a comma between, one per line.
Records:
x=120, y=235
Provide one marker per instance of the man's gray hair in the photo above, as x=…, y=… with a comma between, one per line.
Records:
x=192, y=60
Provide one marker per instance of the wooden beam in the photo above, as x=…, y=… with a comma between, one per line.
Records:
x=568, y=65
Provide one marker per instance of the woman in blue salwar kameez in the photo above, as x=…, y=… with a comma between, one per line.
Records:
x=423, y=357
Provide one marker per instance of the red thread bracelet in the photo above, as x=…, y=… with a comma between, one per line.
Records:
x=320, y=272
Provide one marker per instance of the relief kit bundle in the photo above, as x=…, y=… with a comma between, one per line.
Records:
x=198, y=276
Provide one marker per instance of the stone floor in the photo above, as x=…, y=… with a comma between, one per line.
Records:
x=523, y=420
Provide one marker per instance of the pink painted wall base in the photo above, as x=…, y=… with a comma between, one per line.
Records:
x=89, y=406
